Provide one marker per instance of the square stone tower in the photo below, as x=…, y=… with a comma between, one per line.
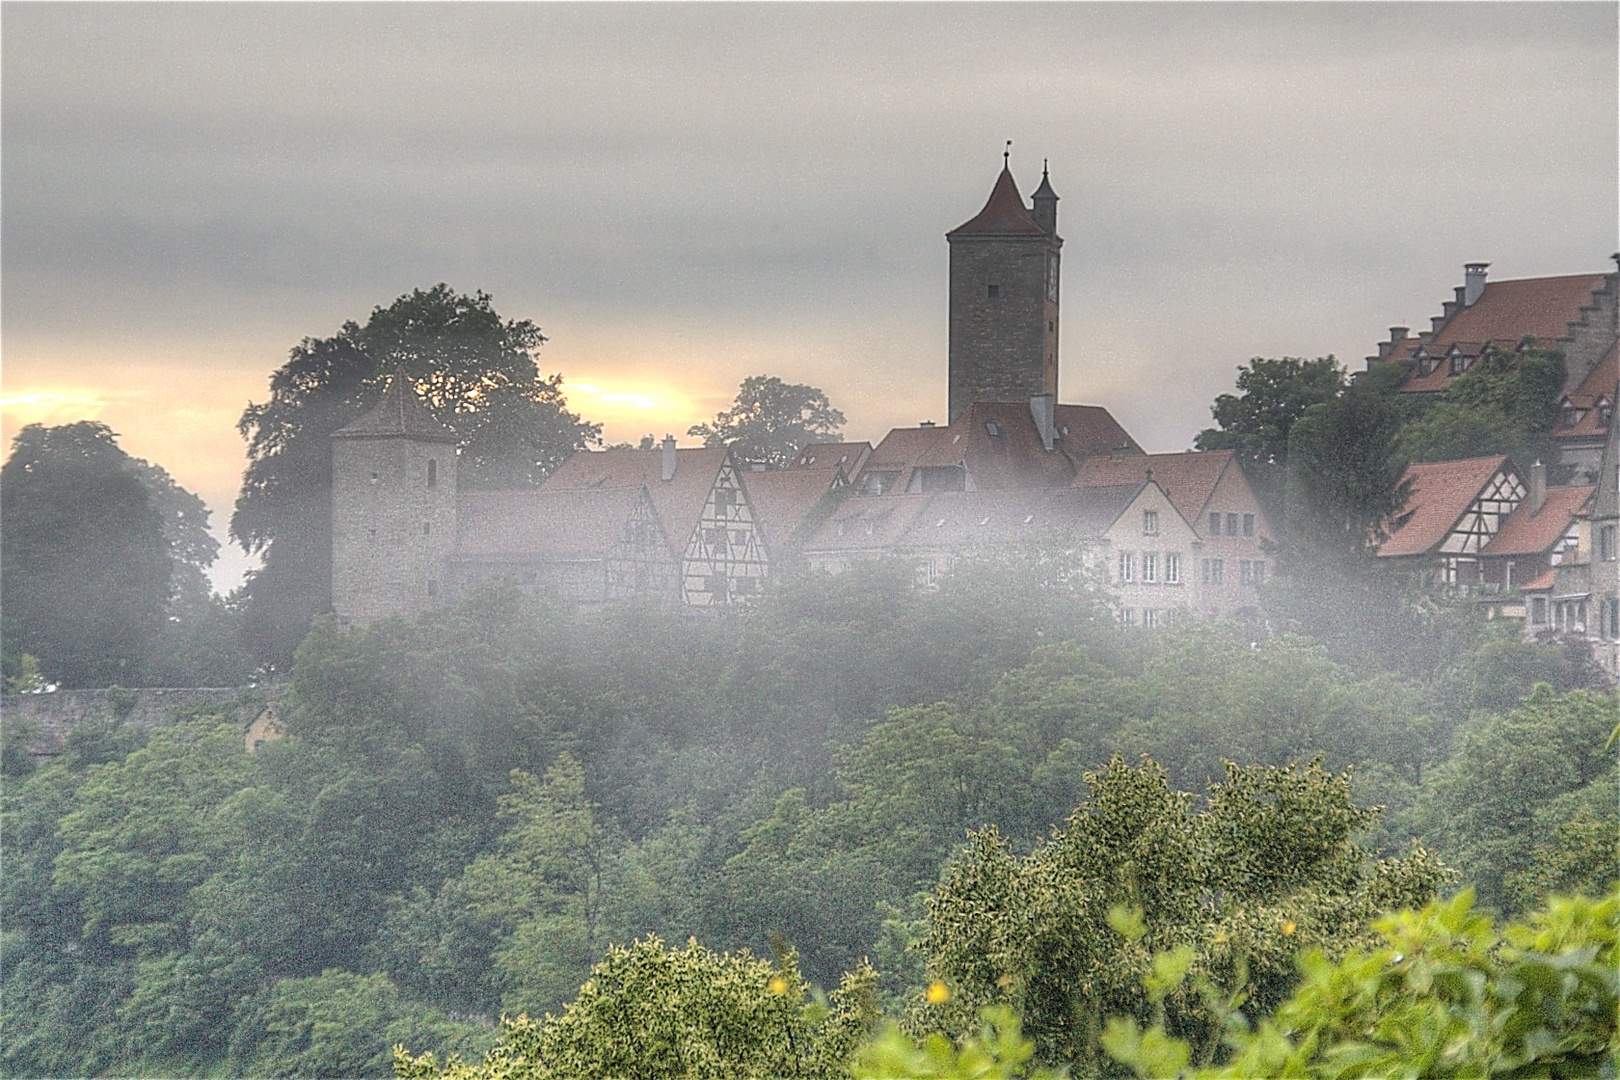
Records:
x=1004, y=298
x=393, y=508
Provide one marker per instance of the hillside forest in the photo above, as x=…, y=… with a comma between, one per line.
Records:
x=855, y=828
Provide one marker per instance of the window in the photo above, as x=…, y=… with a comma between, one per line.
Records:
x=991, y=428
x=1606, y=543
x=432, y=587
x=1259, y=571
x=1126, y=564
x=1150, y=522
x=1538, y=611
x=1248, y=524
x=1507, y=574
x=1231, y=524
x=715, y=540
x=1127, y=616
x=433, y=473
x=1150, y=566
x=1245, y=572
x=992, y=291
x=1612, y=631
x=1172, y=568
x=1214, y=572
x=1150, y=617
x=723, y=500
x=427, y=528
x=1214, y=524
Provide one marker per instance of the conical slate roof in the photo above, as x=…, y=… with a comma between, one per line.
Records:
x=399, y=415
x=1003, y=215
x=1045, y=190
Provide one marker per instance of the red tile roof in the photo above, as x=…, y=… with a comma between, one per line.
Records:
x=540, y=523
x=783, y=500
x=1441, y=491
x=1506, y=313
x=398, y=414
x=1526, y=533
x=1188, y=478
x=1602, y=383
x=679, y=502
x=1543, y=583
x=963, y=522
x=849, y=456
x=861, y=525
x=1091, y=431
x=1004, y=214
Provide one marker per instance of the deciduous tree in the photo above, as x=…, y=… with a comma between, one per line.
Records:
x=771, y=421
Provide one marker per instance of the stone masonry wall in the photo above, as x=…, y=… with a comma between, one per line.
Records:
x=43, y=721
x=1003, y=347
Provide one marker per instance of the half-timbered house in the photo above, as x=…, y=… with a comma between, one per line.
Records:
x=702, y=505
x=1455, y=508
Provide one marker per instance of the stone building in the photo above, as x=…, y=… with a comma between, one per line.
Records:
x=393, y=508
x=1004, y=298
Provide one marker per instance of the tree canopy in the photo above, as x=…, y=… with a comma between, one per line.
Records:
x=1255, y=422
x=1505, y=403
x=87, y=574
x=771, y=421
x=476, y=373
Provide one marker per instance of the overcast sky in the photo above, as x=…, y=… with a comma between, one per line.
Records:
x=681, y=196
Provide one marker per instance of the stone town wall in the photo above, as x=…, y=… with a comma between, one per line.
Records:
x=44, y=720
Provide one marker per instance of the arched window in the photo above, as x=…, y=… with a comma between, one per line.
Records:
x=433, y=472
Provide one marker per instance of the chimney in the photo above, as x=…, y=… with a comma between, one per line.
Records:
x=1041, y=408
x=669, y=458
x=1473, y=282
x=1538, y=487
x=1397, y=334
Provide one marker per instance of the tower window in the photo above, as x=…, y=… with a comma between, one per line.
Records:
x=433, y=473
x=427, y=528
x=992, y=291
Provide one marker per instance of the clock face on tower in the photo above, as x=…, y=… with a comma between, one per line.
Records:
x=1051, y=278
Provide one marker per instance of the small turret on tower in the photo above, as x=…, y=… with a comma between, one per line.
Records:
x=393, y=508
x=1043, y=204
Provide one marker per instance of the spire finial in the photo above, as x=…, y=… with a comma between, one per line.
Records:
x=1043, y=168
x=1006, y=156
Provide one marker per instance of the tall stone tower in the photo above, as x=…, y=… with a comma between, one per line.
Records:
x=1004, y=298
x=393, y=508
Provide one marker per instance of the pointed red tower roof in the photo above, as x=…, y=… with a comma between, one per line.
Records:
x=1003, y=215
x=399, y=415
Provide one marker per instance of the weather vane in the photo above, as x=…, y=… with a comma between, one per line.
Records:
x=1006, y=155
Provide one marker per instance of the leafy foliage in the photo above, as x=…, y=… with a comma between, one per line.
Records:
x=1235, y=889
x=1443, y=993
x=771, y=421
x=1505, y=404
x=1256, y=422
x=86, y=569
x=649, y=1012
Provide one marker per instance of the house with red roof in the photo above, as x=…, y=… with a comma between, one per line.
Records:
x=1585, y=417
x=1579, y=598
x=1541, y=532
x=1234, y=535
x=1454, y=509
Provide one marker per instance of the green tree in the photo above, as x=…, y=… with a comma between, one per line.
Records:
x=476, y=373
x=1505, y=404
x=771, y=421
x=1269, y=864
x=1513, y=780
x=86, y=570
x=1255, y=423
x=651, y=1012
x=1439, y=992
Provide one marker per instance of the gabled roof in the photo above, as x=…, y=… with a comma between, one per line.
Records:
x=784, y=500
x=1013, y=456
x=397, y=415
x=1602, y=384
x=967, y=521
x=679, y=501
x=848, y=456
x=1527, y=533
x=972, y=521
x=1505, y=314
x=1543, y=582
x=1188, y=478
x=1441, y=492
x=1004, y=213
x=541, y=523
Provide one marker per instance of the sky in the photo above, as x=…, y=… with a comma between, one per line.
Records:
x=681, y=196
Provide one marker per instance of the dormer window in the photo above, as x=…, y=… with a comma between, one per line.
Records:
x=1605, y=409
x=991, y=428
x=1569, y=413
